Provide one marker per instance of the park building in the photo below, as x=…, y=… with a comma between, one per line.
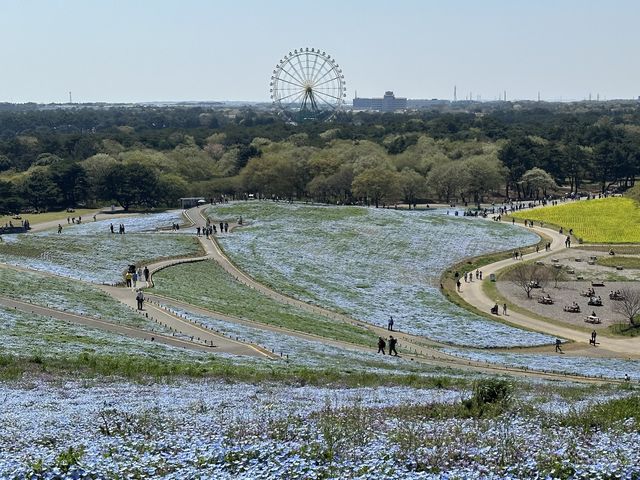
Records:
x=388, y=103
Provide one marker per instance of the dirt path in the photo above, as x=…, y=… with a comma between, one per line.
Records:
x=420, y=355
x=106, y=326
x=474, y=294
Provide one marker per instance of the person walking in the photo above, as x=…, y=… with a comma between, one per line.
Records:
x=134, y=279
x=146, y=274
x=504, y=308
x=390, y=324
x=392, y=345
x=558, y=343
x=59, y=229
x=381, y=345
x=226, y=227
x=594, y=334
x=127, y=279
x=140, y=299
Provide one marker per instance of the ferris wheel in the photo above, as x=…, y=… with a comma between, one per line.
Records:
x=308, y=84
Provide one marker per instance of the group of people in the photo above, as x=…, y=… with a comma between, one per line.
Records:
x=73, y=220
x=121, y=229
x=133, y=276
x=468, y=277
x=495, y=310
x=382, y=345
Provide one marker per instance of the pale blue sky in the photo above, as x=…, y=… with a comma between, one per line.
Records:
x=144, y=50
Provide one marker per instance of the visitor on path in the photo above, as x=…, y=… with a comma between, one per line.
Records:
x=139, y=274
x=134, y=279
x=567, y=242
x=594, y=334
x=494, y=309
x=465, y=278
x=626, y=377
x=480, y=274
x=226, y=227
x=59, y=229
x=198, y=231
x=392, y=345
x=111, y=228
x=221, y=227
x=390, y=324
x=94, y=218
x=146, y=274
x=504, y=309
x=68, y=221
x=140, y=299
x=458, y=284
x=381, y=345
x=127, y=279
x=558, y=344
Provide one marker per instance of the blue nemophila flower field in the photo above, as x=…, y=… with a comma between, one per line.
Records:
x=373, y=263
x=212, y=429
x=91, y=253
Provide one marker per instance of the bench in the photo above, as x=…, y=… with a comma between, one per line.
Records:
x=597, y=284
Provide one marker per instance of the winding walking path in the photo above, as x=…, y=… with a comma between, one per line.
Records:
x=416, y=348
x=474, y=294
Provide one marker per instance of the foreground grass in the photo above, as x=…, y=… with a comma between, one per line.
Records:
x=207, y=285
x=606, y=220
x=139, y=368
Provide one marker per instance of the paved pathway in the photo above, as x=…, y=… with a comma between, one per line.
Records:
x=473, y=293
x=104, y=325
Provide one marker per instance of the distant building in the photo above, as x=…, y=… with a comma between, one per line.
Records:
x=388, y=103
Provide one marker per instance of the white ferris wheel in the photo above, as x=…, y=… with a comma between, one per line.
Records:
x=308, y=84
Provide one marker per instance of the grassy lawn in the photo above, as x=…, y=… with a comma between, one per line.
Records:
x=606, y=220
x=206, y=284
x=625, y=329
x=36, y=218
x=617, y=260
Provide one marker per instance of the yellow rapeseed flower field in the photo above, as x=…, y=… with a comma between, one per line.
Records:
x=606, y=220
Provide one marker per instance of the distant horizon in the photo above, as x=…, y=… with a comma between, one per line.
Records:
x=347, y=101
x=134, y=52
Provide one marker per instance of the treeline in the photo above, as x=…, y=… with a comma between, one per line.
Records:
x=152, y=156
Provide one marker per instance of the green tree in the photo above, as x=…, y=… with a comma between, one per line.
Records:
x=536, y=181
x=484, y=174
x=131, y=185
x=71, y=179
x=171, y=187
x=446, y=180
x=413, y=185
x=376, y=185
x=40, y=190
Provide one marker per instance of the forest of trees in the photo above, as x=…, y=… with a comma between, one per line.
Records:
x=151, y=156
